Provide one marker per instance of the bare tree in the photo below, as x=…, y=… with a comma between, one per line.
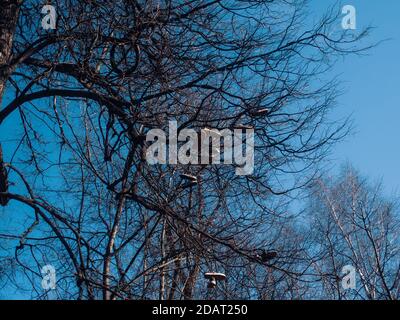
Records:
x=355, y=225
x=86, y=94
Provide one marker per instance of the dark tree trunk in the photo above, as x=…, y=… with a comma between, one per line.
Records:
x=3, y=180
x=8, y=21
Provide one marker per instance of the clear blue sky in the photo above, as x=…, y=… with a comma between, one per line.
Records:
x=372, y=94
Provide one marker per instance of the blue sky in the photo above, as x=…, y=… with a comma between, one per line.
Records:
x=372, y=95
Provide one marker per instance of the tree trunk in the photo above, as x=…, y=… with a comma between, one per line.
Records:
x=8, y=22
